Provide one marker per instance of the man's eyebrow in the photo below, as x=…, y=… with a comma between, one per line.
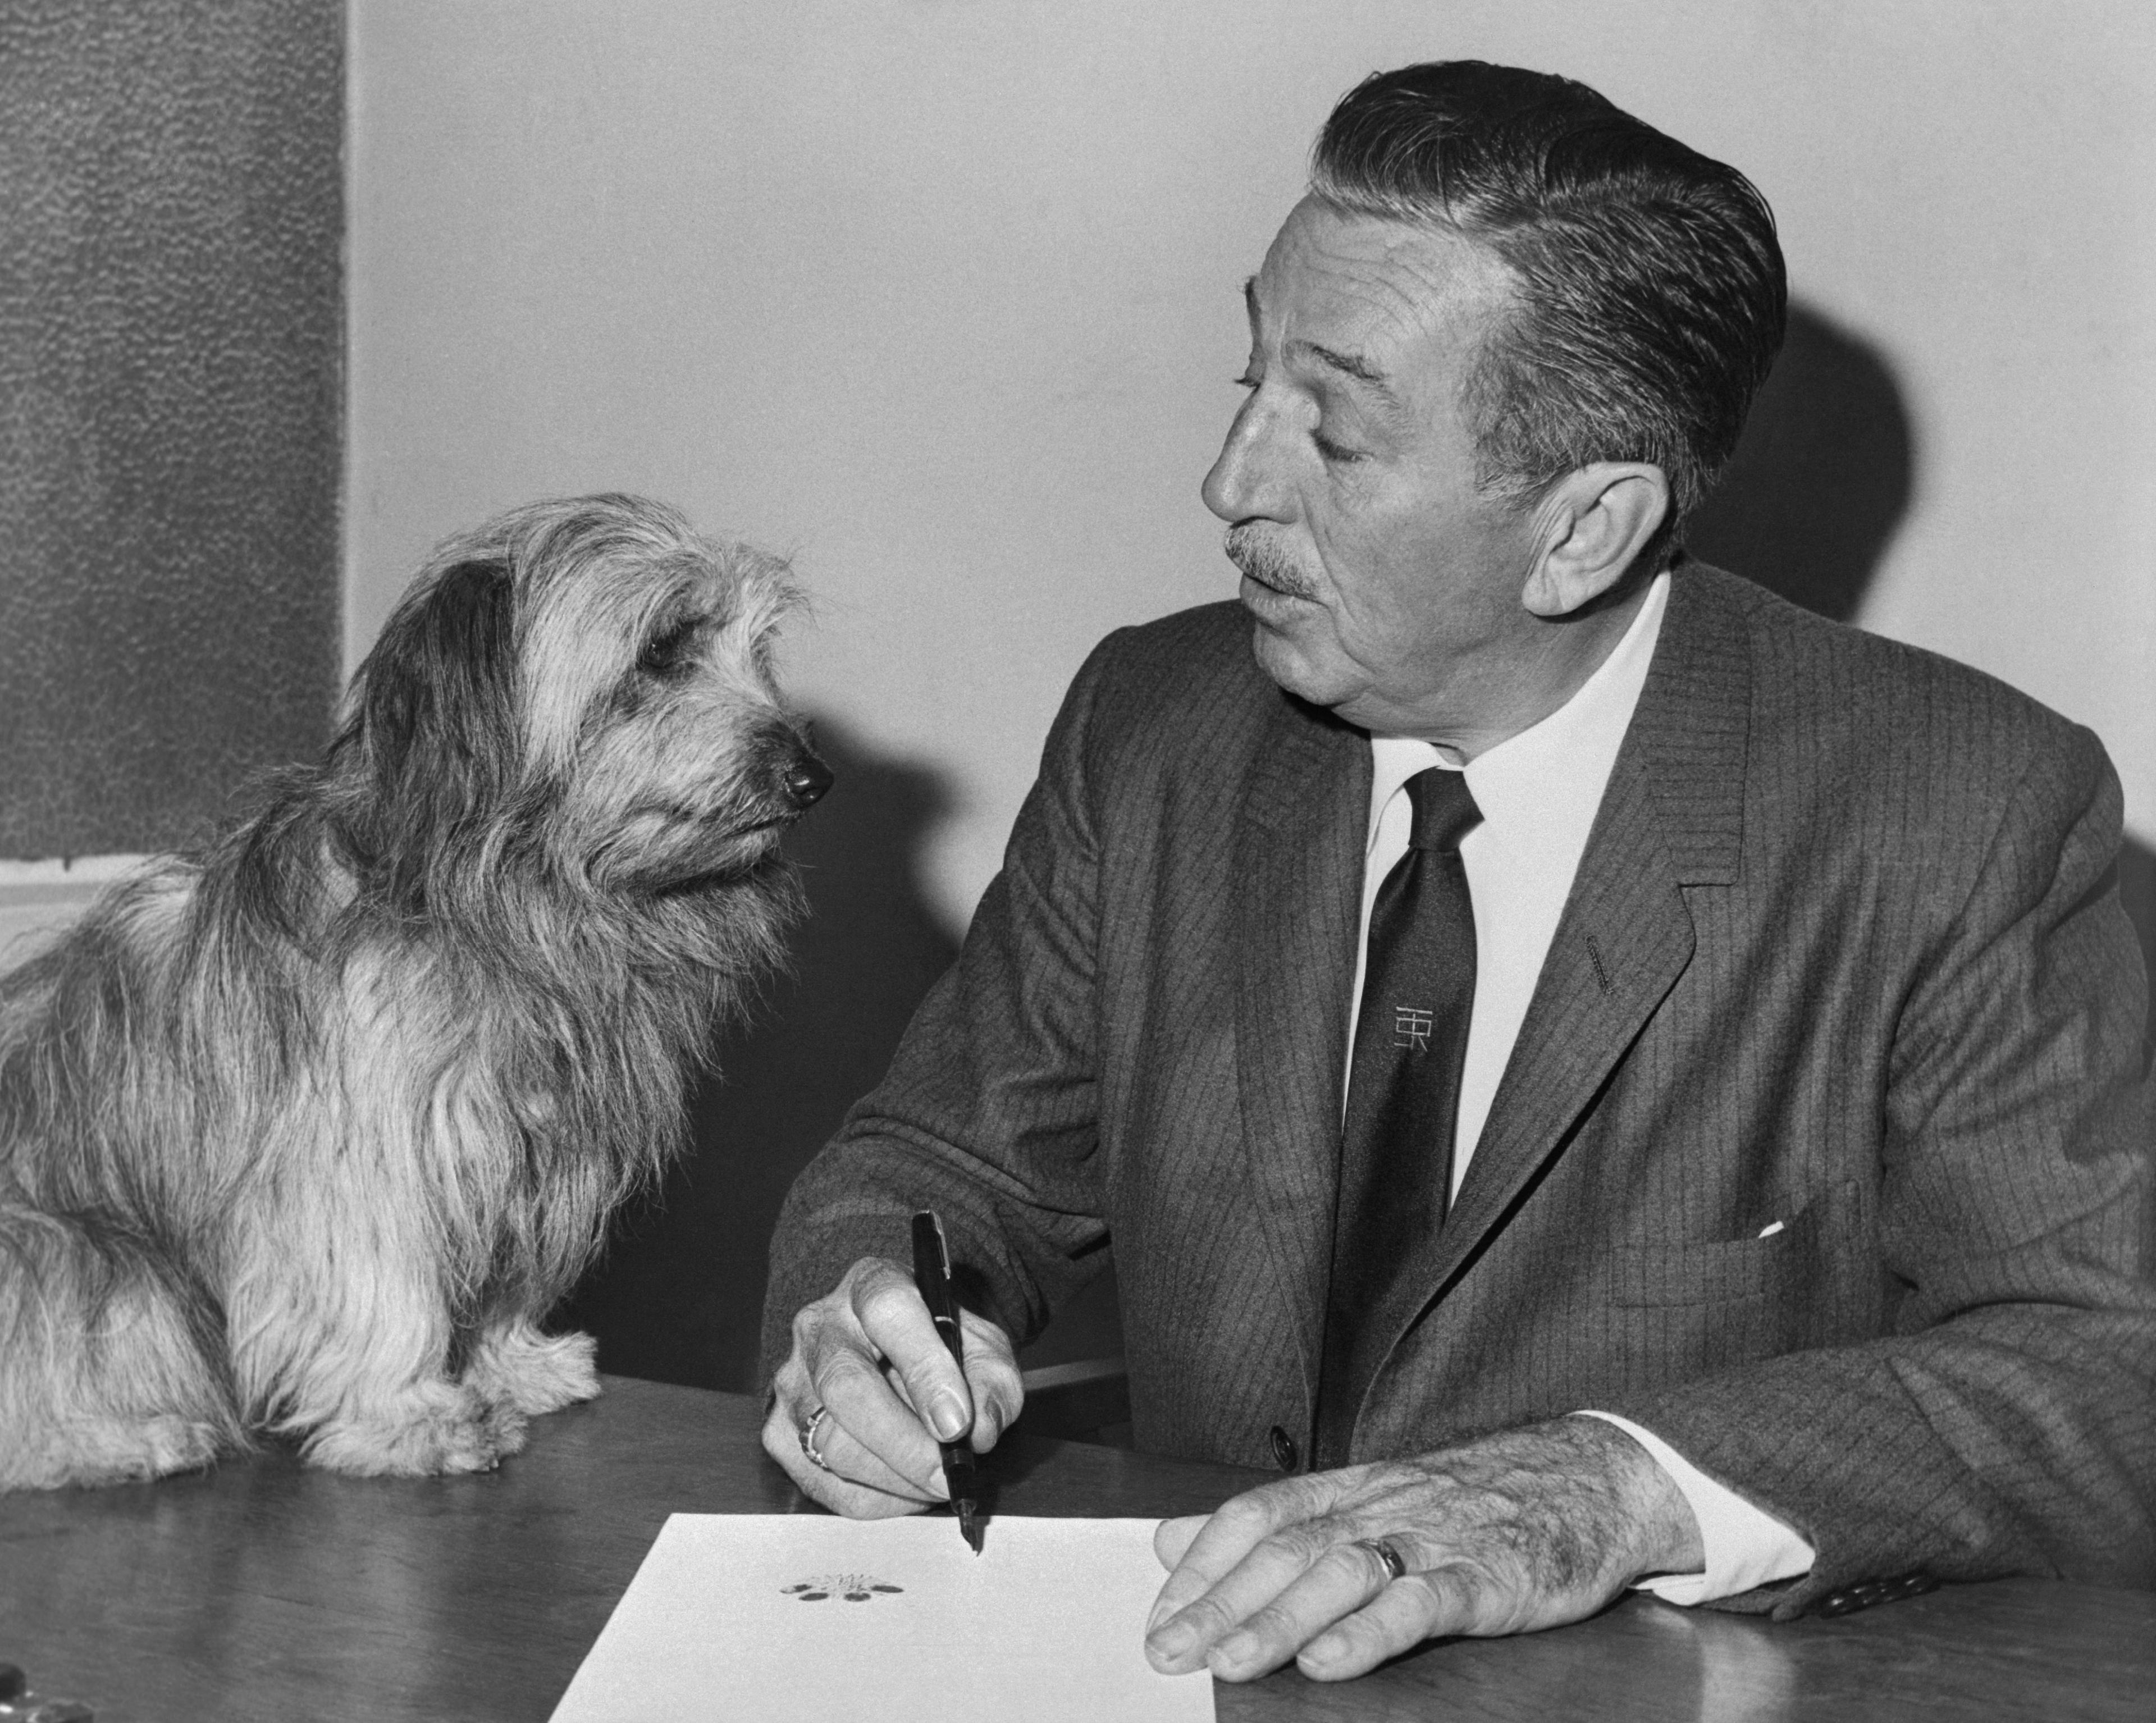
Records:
x=1347, y=364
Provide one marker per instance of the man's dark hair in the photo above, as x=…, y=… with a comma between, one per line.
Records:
x=1650, y=291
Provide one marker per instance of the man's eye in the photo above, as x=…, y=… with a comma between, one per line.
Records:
x=1332, y=451
x=1246, y=381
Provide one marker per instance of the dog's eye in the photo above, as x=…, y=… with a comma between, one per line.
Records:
x=666, y=653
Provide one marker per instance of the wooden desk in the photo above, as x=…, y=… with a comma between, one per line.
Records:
x=265, y=1591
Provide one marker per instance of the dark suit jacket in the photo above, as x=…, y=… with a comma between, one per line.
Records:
x=1844, y=952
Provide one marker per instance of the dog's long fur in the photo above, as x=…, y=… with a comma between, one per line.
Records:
x=306, y=1133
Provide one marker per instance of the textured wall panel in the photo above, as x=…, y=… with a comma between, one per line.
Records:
x=170, y=334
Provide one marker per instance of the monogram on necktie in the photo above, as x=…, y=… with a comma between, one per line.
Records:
x=1403, y=1096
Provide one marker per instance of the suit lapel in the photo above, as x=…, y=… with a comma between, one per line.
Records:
x=1672, y=815
x=1299, y=838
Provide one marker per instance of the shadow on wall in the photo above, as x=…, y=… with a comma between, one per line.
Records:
x=679, y=1296
x=1822, y=478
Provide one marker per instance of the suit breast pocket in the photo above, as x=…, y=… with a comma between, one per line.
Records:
x=1682, y=1310
x=1784, y=1263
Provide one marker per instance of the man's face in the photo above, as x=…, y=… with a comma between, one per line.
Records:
x=1383, y=584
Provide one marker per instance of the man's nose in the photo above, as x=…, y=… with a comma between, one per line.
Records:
x=1244, y=482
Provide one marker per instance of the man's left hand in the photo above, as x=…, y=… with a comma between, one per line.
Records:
x=1525, y=1529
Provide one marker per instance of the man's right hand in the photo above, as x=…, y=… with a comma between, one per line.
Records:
x=868, y=1355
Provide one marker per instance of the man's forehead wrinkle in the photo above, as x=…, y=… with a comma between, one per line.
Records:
x=1360, y=316
x=1367, y=304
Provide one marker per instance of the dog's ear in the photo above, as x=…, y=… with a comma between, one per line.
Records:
x=429, y=747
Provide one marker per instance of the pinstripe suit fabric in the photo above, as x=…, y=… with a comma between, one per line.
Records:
x=1842, y=952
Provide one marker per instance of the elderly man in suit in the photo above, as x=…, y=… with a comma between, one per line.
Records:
x=1603, y=1077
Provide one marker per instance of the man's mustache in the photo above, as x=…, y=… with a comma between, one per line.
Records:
x=1261, y=558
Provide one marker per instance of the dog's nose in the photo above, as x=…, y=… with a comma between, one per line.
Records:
x=807, y=779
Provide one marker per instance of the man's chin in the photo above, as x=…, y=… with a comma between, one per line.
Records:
x=1280, y=655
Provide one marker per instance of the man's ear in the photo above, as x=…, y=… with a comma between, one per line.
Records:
x=1590, y=528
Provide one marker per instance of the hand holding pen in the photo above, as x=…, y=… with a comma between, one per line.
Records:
x=861, y=1409
x=931, y=1278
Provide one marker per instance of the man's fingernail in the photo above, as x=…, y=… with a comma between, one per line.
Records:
x=1173, y=1640
x=949, y=1416
x=1234, y=1651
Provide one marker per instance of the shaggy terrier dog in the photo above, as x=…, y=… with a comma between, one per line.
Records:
x=306, y=1133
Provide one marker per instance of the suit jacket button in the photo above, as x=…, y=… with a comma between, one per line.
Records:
x=1283, y=1454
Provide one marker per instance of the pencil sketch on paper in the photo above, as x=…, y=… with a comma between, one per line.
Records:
x=854, y=1588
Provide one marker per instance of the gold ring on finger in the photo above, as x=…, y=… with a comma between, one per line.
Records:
x=1388, y=1553
x=808, y=1429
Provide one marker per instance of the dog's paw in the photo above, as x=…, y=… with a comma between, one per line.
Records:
x=166, y=1445
x=438, y=1427
x=507, y=1427
x=93, y=1451
x=516, y=1365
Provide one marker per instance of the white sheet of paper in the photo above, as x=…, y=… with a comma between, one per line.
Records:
x=784, y=1617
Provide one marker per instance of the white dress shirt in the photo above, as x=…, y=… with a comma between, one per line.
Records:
x=1538, y=793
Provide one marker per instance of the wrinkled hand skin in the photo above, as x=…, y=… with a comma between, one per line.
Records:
x=1525, y=1529
x=868, y=1353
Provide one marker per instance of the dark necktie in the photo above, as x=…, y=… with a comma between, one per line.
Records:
x=1403, y=1095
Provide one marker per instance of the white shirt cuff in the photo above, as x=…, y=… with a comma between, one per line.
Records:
x=1745, y=1545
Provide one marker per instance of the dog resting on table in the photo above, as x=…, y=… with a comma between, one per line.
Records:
x=304, y=1134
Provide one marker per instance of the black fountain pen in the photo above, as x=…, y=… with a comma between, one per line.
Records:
x=931, y=1275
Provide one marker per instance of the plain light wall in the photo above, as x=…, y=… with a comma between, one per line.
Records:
x=943, y=299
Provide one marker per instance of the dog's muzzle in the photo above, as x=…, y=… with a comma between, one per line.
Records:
x=806, y=781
